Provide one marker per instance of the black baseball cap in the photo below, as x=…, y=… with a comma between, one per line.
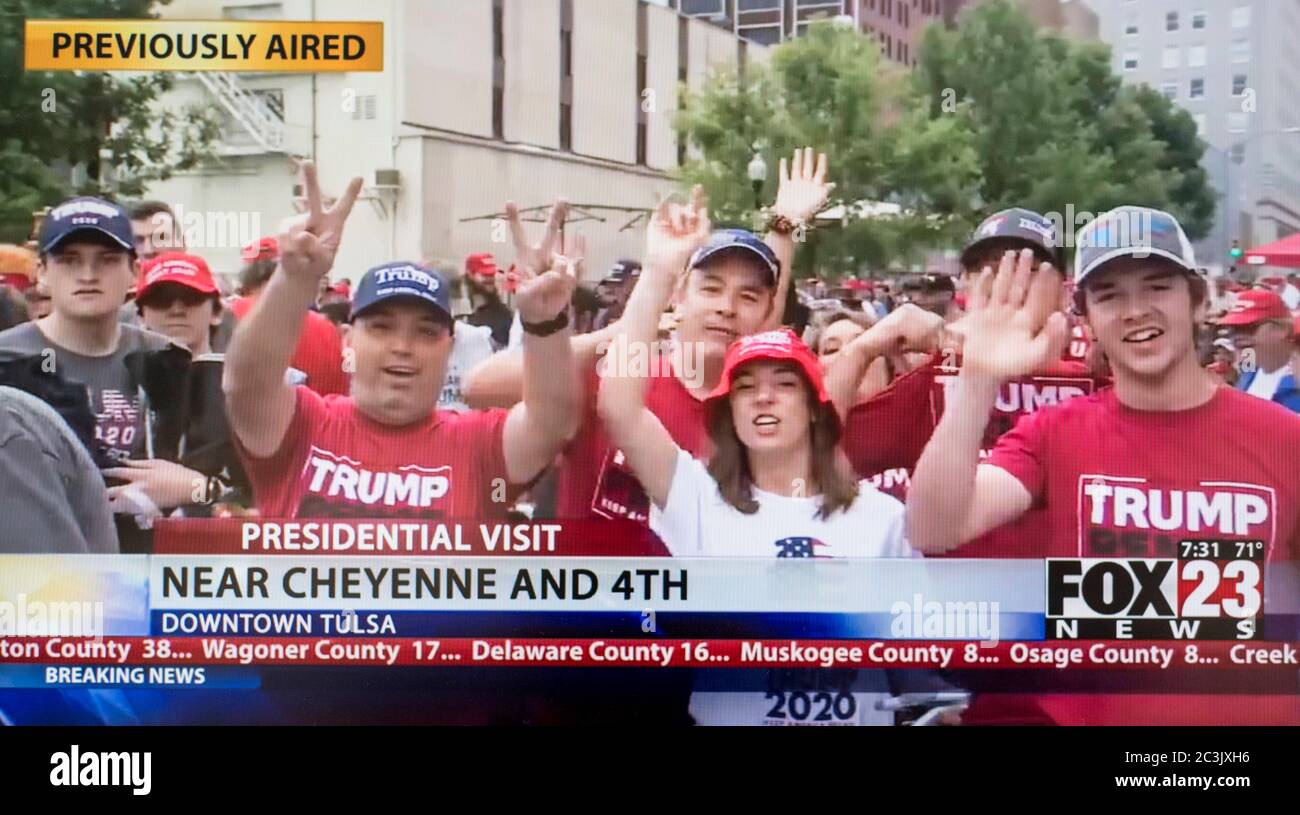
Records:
x=1017, y=226
x=622, y=271
x=86, y=215
x=930, y=283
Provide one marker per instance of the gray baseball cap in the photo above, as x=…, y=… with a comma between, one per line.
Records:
x=1131, y=232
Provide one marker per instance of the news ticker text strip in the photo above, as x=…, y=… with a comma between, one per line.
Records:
x=665, y=653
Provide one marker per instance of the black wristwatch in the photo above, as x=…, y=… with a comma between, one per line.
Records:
x=546, y=329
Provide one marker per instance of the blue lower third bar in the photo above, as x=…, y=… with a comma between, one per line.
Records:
x=688, y=624
x=128, y=676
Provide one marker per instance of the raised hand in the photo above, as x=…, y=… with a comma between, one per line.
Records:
x=308, y=244
x=1013, y=326
x=674, y=233
x=530, y=257
x=802, y=190
x=541, y=297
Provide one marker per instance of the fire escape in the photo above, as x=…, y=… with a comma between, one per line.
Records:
x=258, y=115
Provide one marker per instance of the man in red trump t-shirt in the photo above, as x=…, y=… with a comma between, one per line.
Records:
x=1167, y=455
x=386, y=451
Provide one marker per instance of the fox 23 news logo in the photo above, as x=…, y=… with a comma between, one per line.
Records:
x=1149, y=599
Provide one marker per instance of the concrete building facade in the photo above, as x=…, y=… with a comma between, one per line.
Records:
x=896, y=24
x=1234, y=66
x=480, y=102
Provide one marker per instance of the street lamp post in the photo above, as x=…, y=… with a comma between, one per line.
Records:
x=1227, y=173
x=757, y=172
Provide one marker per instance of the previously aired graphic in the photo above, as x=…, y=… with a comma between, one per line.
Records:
x=648, y=362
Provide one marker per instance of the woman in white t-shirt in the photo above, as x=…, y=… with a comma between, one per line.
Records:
x=775, y=485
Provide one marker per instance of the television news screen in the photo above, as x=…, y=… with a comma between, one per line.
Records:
x=650, y=363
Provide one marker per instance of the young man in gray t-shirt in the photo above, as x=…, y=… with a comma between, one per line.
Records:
x=87, y=264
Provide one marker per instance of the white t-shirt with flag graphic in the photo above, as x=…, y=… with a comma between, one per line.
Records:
x=697, y=522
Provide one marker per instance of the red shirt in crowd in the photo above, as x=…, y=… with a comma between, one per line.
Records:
x=1117, y=482
x=1110, y=481
x=884, y=436
x=595, y=481
x=319, y=354
x=336, y=462
x=1076, y=350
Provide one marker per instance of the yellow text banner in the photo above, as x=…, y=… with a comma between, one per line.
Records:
x=203, y=45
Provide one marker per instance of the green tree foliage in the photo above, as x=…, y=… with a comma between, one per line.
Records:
x=52, y=122
x=996, y=114
x=830, y=89
x=1054, y=128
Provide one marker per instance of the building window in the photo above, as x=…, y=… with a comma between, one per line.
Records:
x=1131, y=61
x=1241, y=17
x=1240, y=51
x=1196, y=56
x=1238, y=153
x=1199, y=118
x=566, y=74
x=1170, y=90
x=1237, y=122
x=1197, y=89
x=1171, y=21
x=1131, y=29
x=1238, y=84
x=498, y=70
x=642, y=79
x=1171, y=57
x=683, y=62
x=1198, y=20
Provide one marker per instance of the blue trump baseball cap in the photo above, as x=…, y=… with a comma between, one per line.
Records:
x=401, y=280
x=86, y=216
x=738, y=241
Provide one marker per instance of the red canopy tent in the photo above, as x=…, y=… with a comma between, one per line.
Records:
x=1284, y=253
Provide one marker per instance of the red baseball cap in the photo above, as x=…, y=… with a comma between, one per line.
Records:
x=343, y=287
x=17, y=282
x=175, y=267
x=261, y=249
x=1255, y=306
x=481, y=265
x=17, y=267
x=782, y=344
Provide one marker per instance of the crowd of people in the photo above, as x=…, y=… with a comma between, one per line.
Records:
x=1034, y=405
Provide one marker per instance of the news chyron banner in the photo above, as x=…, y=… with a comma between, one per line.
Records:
x=241, y=46
x=211, y=620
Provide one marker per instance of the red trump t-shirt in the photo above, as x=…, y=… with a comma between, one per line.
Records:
x=1118, y=482
x=1109, y=481
x=884, y=436
x=336, y=462
x=594, y=478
